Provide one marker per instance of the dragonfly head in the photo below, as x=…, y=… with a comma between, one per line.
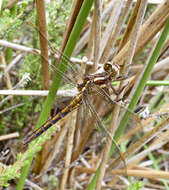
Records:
x=112, y=69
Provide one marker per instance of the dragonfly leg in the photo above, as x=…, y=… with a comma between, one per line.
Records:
x=120, y=78
x=120, y=91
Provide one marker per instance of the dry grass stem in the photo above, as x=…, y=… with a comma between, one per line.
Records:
x=19, y=47
x=57, y=143
x=131, y=22
x=154, y=174
x=73, y=15
x=154, y=23
x=87, y=130
x=135, y=30
x=69, y=148
x=9, y=136
x=85, y=39
x=155, y=144
x=90, y=33
x=146, y=138
x=63, y=93
x=142, y=154
x=41, y=16
x=111, y=32
x=6, y=75
x=97, y=31
x=161, y=64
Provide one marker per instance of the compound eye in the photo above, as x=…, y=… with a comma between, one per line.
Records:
x=112, y=69
x=108, y=67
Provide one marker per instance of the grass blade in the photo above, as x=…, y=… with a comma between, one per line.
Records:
x=140, y=87
x=56, y=82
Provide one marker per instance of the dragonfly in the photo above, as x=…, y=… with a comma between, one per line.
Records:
x=104, y=76
x=99, y=79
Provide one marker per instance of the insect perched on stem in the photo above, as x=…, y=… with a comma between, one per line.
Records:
x=109, y=73
x=95, y=84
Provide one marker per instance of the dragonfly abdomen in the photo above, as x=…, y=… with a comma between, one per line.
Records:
x=76, y=101
x=49, y=123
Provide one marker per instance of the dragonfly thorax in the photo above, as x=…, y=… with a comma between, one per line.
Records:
x=105, y=74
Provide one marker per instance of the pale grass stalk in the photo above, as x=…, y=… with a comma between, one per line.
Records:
x=111, y=33
x=82, y=42
x=157, y=68
x=21, y=83
x=19, y=47
x=116, y=110
x=85, y=38
x=11, y=108
x=118, y=27
x=97, y=31
x=89, y=51
x=9, y=136
x=79, y=111
x=106, y=150
x=139, y=74
x=69, y=148
x=6, y=76
x=12, y=64
x=153, y=1
x=36, y=51
x=63, y=93
x=79, y=121
x=163, y=64
x=33, y=185
x=136, y=68
x=153, y=45
x=87, y=170
x=78, y=127
x=153, y=174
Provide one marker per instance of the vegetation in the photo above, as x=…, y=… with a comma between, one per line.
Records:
x=76, y=148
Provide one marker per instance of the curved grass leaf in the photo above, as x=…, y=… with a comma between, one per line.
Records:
x=84, y=11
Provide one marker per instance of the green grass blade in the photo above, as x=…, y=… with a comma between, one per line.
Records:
x=137, y=94
x=142, y=82
x=92, y=184
x=62, y=66
x=84, y=11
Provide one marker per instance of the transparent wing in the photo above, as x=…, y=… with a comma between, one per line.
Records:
x=56, y=54
x=101, y=125
x=106, y=112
